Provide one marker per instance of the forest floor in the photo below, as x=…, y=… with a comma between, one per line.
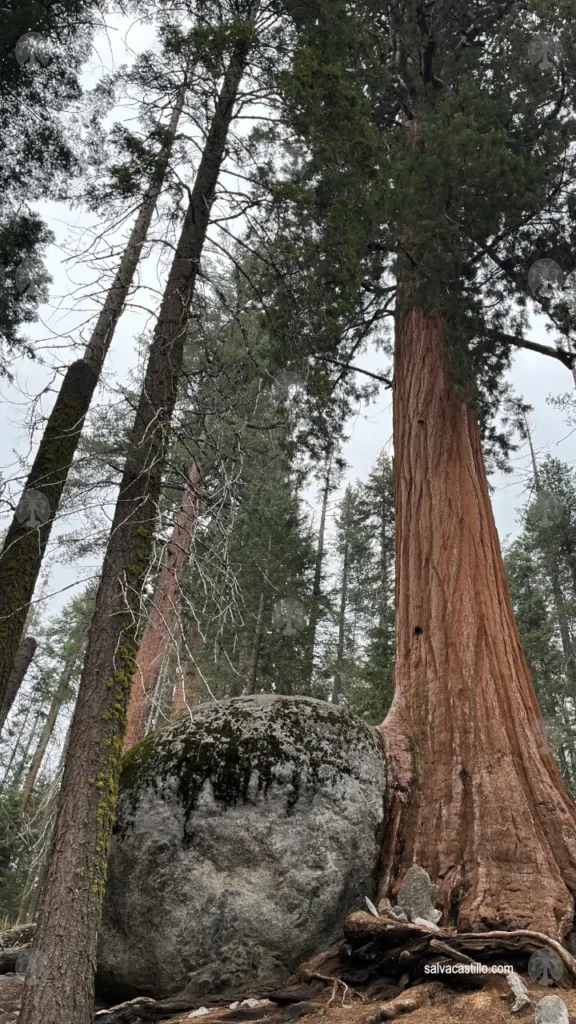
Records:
x=489, y=1005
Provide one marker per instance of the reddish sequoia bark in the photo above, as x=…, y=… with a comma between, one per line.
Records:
x=474, y=799
x=162, y=630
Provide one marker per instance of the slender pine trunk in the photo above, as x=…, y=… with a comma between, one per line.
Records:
x=317, y=583
x=41, y=748
x=163, y=628
x=551, y=565
x=26, y=752
x=22, y=661
x=337, y=688
x=16, y=746
x=60, y=987
x=188, y=682
x=29, y=904
x=256, y=643
x=25, y=543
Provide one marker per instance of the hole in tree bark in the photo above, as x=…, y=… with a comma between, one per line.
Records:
x=418, y=631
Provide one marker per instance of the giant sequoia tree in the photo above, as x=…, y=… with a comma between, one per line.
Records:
x=441, y=160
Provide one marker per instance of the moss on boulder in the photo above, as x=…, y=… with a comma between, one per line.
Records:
x=244, y=834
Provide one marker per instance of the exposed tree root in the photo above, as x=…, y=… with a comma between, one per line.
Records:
x=420, y=943
x=336, y=982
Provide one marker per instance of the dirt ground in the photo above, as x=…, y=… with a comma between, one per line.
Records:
x=489, y=1005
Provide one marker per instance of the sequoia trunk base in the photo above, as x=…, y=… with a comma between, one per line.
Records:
x=475, y=795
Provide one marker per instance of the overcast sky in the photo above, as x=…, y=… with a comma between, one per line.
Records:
x=534, y=377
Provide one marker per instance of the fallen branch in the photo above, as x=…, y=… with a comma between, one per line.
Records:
x=474, y=977
x=454, y=954
x=362, y=927
x=132, y=1012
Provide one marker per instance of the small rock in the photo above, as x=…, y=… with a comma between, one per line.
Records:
x=200, y=1012
x=384, y=906
x=551, y=1010
x=425, y=924
x=254, y=1002
x=246, y=1013
x=397, y=913
x=234, y=1006
x=417, y=895
x=518, y=991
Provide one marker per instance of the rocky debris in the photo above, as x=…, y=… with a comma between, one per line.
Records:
x=251, y=1003
x=398, y=914
x=520, y=997
x=10, y=999
x=551, y=1010
x=244, y=836
x=425, y=924
x=417, y=896
x=246, y=1014
x=200, y=1012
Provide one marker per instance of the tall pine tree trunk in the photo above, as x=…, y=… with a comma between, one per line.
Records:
x=473, y=798
x=317, y=583
x=17, y=743
x=60, y=987
x=163, y=628
x=27, y=748
x=188, y=681
x=22, y=661
x=25, y=545
x=256, y=644
x=337, y=688
x=551, y=564
x=41, y=748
